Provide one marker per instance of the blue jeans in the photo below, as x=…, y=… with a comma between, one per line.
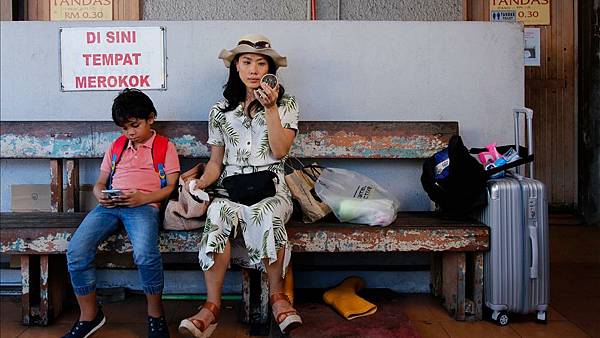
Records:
x=141, y=224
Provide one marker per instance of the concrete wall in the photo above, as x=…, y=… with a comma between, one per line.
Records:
x=466, y=71
x=5, y=10
x=225, y=10
x=471, y=72
x=390, y=10
x=381, y=10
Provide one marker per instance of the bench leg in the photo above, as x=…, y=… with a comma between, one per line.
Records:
x=453, y=280
x=436, y=274
x=43, y=279
x=246, y=296
x=462, y=284
x=25, y=282
x=477, y=279
x=255, y=295
x=45, y=312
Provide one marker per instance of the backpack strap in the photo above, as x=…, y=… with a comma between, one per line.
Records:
x=115, y=155
x=159, y=153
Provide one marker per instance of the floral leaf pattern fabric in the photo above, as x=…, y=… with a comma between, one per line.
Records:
x=246, y=139
x=255, y=232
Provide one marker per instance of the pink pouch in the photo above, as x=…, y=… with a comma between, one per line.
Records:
x=489, y=156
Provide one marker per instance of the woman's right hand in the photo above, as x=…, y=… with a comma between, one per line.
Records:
x=201, y=183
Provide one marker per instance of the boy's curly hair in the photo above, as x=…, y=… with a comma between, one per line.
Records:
x=132, y=103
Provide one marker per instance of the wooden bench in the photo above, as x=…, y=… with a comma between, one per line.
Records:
x=41, y=238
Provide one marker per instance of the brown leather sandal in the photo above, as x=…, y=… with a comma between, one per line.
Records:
x=287, y=320
x=192, y=327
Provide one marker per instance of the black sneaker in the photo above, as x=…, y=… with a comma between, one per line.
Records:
x=84, y=329
x=157, y=327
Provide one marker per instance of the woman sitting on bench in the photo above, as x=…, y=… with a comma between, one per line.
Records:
x=250, y=133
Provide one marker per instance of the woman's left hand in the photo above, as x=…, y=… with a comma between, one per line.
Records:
x=266, y=95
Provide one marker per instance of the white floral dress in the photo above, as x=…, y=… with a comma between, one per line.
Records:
x=262, y=225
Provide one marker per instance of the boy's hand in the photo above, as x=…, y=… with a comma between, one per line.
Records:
x=106, y=201
x=131, y=198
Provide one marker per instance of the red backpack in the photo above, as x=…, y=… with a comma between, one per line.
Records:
x=159, y=152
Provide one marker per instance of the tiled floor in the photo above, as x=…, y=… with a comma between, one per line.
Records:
x=574, y=312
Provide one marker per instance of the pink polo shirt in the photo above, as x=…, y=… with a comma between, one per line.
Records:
x=135, y=169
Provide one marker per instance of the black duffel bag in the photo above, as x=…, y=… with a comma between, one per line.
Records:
x=462, y=188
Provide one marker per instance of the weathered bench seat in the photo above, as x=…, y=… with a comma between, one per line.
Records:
x=48, y=233
x=457, y=263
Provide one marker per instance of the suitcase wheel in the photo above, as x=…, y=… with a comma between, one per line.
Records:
x=500, y=317
x=541, y=317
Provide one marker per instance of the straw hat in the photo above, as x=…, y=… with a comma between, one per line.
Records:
x=253, y=43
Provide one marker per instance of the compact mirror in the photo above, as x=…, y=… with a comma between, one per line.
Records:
x=270, y=79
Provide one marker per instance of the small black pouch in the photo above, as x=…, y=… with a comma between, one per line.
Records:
x=250, y=188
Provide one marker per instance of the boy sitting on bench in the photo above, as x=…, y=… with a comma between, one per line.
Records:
x=138, y=172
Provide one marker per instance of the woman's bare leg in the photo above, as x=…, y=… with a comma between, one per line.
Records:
x=213, y=278
x=275, y=272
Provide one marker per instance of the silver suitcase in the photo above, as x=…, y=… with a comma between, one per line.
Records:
x=516, y=269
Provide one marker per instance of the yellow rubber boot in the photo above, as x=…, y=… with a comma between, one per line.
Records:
x=346, y=302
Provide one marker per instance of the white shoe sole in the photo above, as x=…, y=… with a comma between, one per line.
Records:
x=187, y=328
x=289, y=323
x=96, y=328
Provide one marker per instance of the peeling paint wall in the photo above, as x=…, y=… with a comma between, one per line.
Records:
x=179, y=282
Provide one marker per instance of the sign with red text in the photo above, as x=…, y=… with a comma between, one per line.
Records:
x=112, y=58
x=81, y=10
x=529, y=12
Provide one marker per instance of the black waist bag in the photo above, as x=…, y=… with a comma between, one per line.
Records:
x=251, y=188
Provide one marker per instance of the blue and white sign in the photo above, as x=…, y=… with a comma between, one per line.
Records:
x=503, y=15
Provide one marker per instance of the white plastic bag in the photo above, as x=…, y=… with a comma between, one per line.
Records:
x=356, y=198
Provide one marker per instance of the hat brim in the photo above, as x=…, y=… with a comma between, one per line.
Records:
x=228, y=55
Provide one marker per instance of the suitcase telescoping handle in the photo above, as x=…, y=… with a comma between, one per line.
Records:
x=528, y=113
x=533, y=231
x=525, y=153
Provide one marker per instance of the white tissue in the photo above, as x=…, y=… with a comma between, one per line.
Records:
x=199, y=193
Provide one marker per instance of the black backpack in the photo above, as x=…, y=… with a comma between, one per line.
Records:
x=464, y=187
